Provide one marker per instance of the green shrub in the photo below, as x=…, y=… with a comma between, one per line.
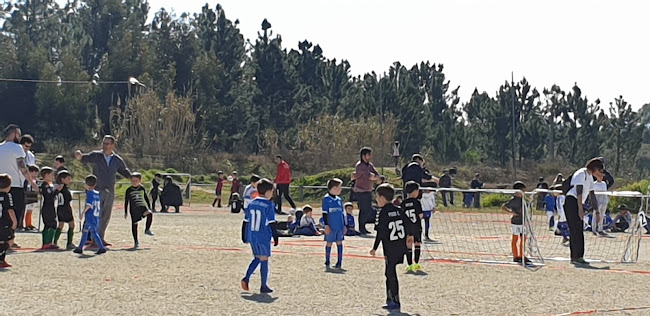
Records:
x=632, y=203
x=494, y=200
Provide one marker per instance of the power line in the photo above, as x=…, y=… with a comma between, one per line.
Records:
x=59, y=82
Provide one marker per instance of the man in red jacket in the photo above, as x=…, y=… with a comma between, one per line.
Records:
x=282, y=181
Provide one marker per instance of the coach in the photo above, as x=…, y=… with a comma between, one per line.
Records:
x=581, y=188
x=414, y=171
x=282, y=182
x=106, y=164
x=12, y=162
x=364, y=175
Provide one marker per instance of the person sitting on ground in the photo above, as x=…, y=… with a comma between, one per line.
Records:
x=171, y=195
x=349, y=220
x=307, y=223
x=623, y=220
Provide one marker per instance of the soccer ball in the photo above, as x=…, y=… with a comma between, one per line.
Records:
x=230, y=178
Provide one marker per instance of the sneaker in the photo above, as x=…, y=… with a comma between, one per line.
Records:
x=409, y=268
x=327, y=265
x=338, y=266
x=100, y=251
x=136, y=245
x=148, y=233
x=550, y=229
x=527, y=261
x=78, y=250
x=603, y=234
x=266, y=289
x=70, y=246
x=244, y=284
x=516, y=259
x=15, y=246
x=579, y=261
x=106, y=244
x=392, y=306
x=565, y=242
x=4, y=264
x=417, y=267
x=427, y=239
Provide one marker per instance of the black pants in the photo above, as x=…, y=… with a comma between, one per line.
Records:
x=477, y=200
x=18, y=197
x=366, y=215
x=165, y=208
x=576, y=228
x=283, y=190
x=392, y=284
x=444, y=197
x=154, y=198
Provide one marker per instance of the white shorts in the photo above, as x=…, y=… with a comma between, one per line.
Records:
x=518, y=229
x=31, y=206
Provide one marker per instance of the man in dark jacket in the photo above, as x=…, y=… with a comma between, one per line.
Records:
x=414, y=171
x=477, y=184
x=445, y=182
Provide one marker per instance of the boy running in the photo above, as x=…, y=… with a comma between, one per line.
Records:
x=413, y=210
x=333, y=217
x=136, y=197
x=91, y=216
x=393, y=232
x=258, y=228
x=8, y=222
x=48, y=208
x=63, y=209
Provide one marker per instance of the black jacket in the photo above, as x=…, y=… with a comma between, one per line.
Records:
x=171, y=195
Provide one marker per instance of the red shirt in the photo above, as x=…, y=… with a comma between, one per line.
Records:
x=363, y=182
x=219, y=184
x=283, y=175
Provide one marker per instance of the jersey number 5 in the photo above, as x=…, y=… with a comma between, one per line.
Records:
x=256, y=220
x=396, y=230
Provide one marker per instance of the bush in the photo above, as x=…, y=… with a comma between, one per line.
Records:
x=494, y=200
x=633, y=203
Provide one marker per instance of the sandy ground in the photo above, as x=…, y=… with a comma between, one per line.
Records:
x=192, y=266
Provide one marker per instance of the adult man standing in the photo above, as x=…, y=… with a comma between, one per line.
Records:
x=364, y=175
x=27, y=141
x=582, y=188
x=414, y=171
x=477, y=184
x=12, y=162
x=106, y=164
x=282, y=181
x=445, y=182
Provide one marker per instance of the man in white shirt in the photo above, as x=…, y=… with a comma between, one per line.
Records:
x=27, y=141
x=12, y=162
x=582, y=187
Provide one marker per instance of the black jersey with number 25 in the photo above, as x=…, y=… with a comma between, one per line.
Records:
x=392, y=228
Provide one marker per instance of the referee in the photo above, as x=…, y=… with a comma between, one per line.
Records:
x=582, y=187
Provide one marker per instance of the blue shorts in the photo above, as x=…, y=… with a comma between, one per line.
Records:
x=334, y=236
x=427, y=214
x=91, y=224
x=261, y=249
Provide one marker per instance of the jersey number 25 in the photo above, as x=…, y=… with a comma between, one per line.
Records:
x=396, y=230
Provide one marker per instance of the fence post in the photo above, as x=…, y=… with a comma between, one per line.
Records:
x=301, y=193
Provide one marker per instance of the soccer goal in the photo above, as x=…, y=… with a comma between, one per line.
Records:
x=485, y=235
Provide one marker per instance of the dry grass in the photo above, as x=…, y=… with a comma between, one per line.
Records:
x=194, y=263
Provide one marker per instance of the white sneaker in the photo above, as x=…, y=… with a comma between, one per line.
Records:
x=292, y=211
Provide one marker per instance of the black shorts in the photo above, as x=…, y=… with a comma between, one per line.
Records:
x=137, y=214
x=49, y=215
x=395, y=258
x=417, y=235
x=6, y=234
x=64, y=214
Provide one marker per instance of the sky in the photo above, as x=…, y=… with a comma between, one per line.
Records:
x=603, y=46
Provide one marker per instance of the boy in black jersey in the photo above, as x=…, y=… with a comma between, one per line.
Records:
x=8, y=222
x=31, y=197
x=136, y=197
x=48, y=209
x=63, y=208
x=394, y=233
x=413, y=211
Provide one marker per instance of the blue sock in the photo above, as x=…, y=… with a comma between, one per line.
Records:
x=339, y=249
x=252, y=267
x=328, y=252
x=264, y=271
x=84, y=238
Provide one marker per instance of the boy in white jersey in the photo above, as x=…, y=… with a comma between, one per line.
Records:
x=562, y=224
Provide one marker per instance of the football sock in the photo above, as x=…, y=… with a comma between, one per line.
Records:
x=28, y=219
x=328, y=252
x=84, y=238
x=3, y=251
x=70, y=235
x=252, y=267
x=409, y=256
x=149, y=221
x=264, y=271
x=515, y=252
x=417, y=253
x=57, y=234
x=339, y=249
x=134, y=232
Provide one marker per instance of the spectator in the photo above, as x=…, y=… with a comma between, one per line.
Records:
x=106, y=164
x=415, y=171
x=540, y=196
x=364, y=175
x=558, y=179
x=477, y=184
x=623, y=219
x=171, y=196
x=27, y=141
x=282, y=182
x=446, y=182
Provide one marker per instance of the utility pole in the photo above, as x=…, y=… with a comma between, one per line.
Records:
x=381, y=124
x=512, y=93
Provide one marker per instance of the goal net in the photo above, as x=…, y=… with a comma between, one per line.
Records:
x=485, y=234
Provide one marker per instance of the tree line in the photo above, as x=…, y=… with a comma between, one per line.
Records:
x=213, y=90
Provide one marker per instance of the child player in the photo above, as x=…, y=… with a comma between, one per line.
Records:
x=349, y=220
x=31, y=198
x=428, y=202
x=334, y=221
x=155, y=191
x=136, y=198
x=549, y=205
x=48, y=208
x=562, y=224
x=8, y=222
x=91, y=216
x=393, y=232
x=217, y=191
x=258, y=228
x=64, y=209
x=250, y=191
x=598, y=217
x=515, y=206
x=413, y=211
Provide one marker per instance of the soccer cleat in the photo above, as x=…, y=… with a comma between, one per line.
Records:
x=516, y=259
x=266, y=289
x=565, y=242
x=70, y=246
x=244, y=284
x=417, y=267
x=148, y=233
x=4, y=264
x=550, y=229
x=100, y=251
x=392, y=306
x=409, y=268
x=136, y=245
x=78, y=250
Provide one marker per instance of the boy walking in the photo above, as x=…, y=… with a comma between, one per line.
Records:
x=136, y=198
x=393, y=232
x=413, y=211
x=63, y=209
x=334, y=219
x=258, y=228
x=8, y=222
x=91, y=216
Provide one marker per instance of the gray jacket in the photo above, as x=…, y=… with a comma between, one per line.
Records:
x=104, y=172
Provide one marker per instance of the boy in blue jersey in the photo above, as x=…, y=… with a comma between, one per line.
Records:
x=334, y=221
x=549, y=204
x=349, y=220
x=91, y=216
x=258, y=228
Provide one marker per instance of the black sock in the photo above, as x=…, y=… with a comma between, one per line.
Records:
x=392, y=285
x=149, y=220
x=409, y=256
x=134, y=231
x=219, y=202
x=426, y=227
x=417, y=253
x=3, y=251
